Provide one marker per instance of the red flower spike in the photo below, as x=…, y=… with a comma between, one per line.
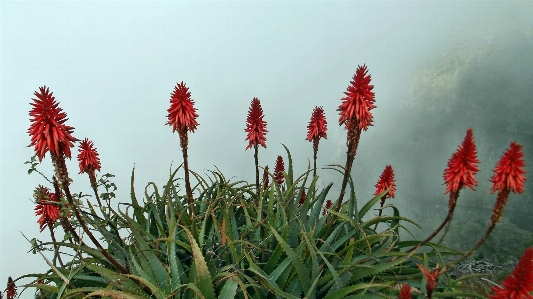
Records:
x=359, y=100
x=386, y=180
x=47, y=129
x=88, y=157
x=302, y=198
x=519, y=284
x=255, y=125
x=182, y=114
x=431, y=278
x=11, y=289
x=405, y=291
x=328, y=205
x=317, y=125
x=265, y=178
x=509, y=172
x=47, y=207
x=278, y=170
x=462, y=166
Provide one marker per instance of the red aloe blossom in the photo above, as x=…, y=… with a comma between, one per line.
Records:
x=278, y=171
x=315, y=130
x=88, y=157
x=182, y=117
x=48, y=130
x=328, y=205
x=317, y=125
x=255, y=125
x=302, y=198
x=47, y=207
x=355, y=115
x=519, y=284
x=359, y=100
x=11, y=289
x=508, y=176
x=386, y=180
x=405, y=291
x=182, y=114
x=462, y=166
x=431, y=278
x=509, y=172
x=88, y=160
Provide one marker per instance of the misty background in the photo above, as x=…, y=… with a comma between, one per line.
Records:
x=438, y=69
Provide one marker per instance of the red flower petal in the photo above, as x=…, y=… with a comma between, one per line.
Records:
x=255, y=125
x=328, y=205
x=462, y=165
x=47, y=129
x=509, y=172
x=359, y=100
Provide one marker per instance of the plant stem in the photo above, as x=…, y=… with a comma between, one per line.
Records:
x=476, y=247
x=256, y=157
x=90, y=234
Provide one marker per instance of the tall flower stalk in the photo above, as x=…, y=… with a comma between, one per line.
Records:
x=256, y=131
x=461, y=171
x=49, y=133
x=315, y=130
x=356, y=116
x=182, y=117
x=89, y=162
x=508, y=177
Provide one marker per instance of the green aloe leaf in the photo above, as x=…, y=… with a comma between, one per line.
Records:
x=202, y=272
x=370, y=204
x=229, y=290
x=295, y=259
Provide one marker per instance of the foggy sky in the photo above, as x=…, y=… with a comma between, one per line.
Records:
x=113, y=65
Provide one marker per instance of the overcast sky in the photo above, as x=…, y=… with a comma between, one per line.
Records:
x=113, y=65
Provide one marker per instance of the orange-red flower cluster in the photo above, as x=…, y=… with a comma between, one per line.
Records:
x=47, y=207
x=317, y=125
x=11, y=289
x=47, y=129
x=278, y=170
x=509, y=172
x=302, y=198
x=255, y=125
x=88, y=157
x=328, y=205
x=386, y=181
x=518, y=285
x=359, y=100
x=265, y=178
x=405, y=291
x=431, y=278
x=182, y=114
x=462, y=166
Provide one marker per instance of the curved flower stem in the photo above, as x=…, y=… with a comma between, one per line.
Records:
x=476, y=247
x=57, y=256
x=451, y=208
x=380, y=212
x=90, y=234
